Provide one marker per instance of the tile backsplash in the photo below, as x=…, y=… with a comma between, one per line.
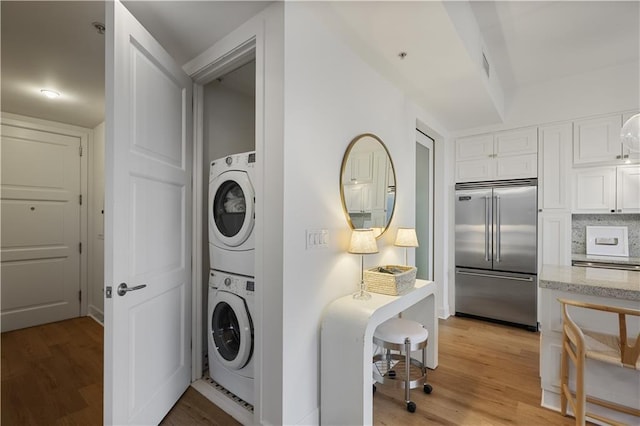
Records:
x=579, y=222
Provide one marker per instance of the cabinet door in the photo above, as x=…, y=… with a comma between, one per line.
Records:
x=554, y=167
x=628, y=189
x=353, y=198
x=595, y=190
x=361, y=167
x=516, y=167
x=379, y=184
x=554, y=246
x=516, y=142
x=597, y=140
x=474, y=147
x=475, y=170
x=626, y=152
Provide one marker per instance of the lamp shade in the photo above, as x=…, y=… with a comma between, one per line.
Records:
x=406, y=237
x=363, y=241
x=630, y=134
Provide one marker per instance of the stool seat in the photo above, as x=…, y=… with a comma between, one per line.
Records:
x=396, y=330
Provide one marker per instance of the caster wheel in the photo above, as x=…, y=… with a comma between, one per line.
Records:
x=411, y=407
x=374, y=389
x=427, y=389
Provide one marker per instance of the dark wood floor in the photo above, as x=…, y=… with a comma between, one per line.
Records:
x=488, y=375
x=52, y=374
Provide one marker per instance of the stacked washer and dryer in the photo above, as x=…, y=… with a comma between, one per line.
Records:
x=231, y=278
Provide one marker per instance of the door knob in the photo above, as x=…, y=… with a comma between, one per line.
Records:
x=123, y=289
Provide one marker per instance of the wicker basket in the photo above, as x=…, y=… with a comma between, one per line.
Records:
x=391, y=284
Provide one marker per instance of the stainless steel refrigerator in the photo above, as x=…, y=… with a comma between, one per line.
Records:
x=496, y=249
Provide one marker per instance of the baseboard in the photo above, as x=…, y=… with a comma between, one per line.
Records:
x=96, y=314
x=444, y=312
x=226, y=404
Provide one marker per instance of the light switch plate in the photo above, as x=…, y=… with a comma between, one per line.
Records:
x=317, y=238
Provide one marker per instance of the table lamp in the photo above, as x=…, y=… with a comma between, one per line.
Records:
x=406, y=237
x=362, y=242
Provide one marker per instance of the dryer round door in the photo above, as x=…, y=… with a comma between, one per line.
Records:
x=231, y=208
x=232, y=330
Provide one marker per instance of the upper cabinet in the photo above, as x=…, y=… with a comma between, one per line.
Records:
x=554, y=167
x=607, y=190
x=504, y=155
x=597, y=141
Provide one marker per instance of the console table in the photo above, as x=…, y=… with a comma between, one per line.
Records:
x=346, y=396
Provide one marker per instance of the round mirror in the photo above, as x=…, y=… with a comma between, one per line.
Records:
x=368, y=184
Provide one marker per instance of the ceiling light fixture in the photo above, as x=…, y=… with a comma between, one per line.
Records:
x=402, y=55
x=51, y=94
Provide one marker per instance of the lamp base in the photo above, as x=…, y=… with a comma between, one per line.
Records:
x=361, y=295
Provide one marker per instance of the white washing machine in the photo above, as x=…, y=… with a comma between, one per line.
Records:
x=232, y=214
x=230, y=333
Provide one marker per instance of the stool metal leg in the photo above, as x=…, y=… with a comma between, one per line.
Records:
x=407, y=360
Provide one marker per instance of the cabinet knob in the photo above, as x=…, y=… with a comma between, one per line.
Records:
x=625, y=156
x=613, y=211
x=618, y=157
x=540, y=210
x=619, y=210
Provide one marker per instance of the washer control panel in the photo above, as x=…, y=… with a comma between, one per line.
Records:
x=237, y=284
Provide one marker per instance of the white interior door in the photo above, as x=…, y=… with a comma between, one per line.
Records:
x=424, y=206
x=40, y=227
x=147, y=224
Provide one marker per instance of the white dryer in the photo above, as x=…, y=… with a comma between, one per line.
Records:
x=230, y=333
x=232, y=214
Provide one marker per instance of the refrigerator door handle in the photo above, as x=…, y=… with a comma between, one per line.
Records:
x=497, y=228
x=487, y=209
x=505, y=277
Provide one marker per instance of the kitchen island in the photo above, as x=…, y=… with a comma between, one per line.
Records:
x=595, y=285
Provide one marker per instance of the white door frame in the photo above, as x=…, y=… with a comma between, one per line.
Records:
x=86, y=137
x=236, y=49
x=426, y=141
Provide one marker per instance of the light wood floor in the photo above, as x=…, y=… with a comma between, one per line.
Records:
x=487, y=375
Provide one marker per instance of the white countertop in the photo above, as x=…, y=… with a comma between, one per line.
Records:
x=612, y=283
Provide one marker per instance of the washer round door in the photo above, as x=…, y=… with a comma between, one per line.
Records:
x=232, y=330
x=231, y=208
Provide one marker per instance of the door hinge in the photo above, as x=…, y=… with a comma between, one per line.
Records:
x=80, y=198
x=80, y=296
x=80, y=150
x=80, y=247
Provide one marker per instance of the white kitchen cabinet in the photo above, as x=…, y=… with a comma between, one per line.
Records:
x=597, y=141
x=360, y=167
x=357, y=198
x=628, y=189
x=554, y=167
x=554, y=238
x=612, y=189
x=504, y=155
x=595, y=190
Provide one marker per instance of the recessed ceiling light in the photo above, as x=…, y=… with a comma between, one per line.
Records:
x=51, y=94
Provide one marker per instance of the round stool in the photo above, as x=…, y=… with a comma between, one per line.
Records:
x=401, y=335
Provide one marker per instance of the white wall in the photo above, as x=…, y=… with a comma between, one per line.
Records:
x=229, y=121
x=96, y=224
x=331, y=96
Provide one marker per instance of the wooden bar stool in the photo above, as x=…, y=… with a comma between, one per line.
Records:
x=398, y=334
x=579, y=344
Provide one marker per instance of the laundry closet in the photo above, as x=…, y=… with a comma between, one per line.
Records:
x=228, y=249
